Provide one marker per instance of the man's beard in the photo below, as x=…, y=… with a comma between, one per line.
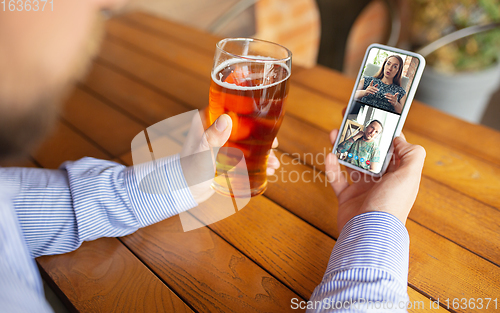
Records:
x=20, y=133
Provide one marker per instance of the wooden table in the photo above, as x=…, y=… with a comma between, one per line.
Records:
x=276, y=248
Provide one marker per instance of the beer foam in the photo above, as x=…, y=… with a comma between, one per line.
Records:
x=236, y=87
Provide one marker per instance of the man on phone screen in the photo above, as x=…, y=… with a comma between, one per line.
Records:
x=361, y=148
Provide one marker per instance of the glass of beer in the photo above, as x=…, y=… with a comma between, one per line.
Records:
x=250, y=82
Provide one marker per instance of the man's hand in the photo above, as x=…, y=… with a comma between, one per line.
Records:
x=393, y=193
x=195, y=163
x=358, y=135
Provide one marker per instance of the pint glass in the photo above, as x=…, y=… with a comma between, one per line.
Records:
x=250, y=82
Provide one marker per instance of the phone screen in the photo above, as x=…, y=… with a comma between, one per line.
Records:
x=380, y=97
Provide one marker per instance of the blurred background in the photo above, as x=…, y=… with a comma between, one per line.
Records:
x=462, y=77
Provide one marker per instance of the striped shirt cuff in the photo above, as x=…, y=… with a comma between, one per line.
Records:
x=375, y=240
x=158, y=190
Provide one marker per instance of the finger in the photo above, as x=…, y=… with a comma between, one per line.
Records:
x=397, y=94
x=393, y=164
x=411, y=156
x=218, y=133
x=352, y=172
x=333, y=135
x=376, y=86
x=270, y=171
x=402, y=135
x=334, y=175
x=371, y=84
x=273, y=162
x=394, y=161
x=275, y=143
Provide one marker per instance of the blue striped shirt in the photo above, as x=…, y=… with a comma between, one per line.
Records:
x=368, y=268
x=45, y=212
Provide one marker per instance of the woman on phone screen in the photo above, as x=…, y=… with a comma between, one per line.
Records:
x=384, y=90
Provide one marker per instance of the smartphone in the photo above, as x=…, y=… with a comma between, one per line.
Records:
x=380, y=101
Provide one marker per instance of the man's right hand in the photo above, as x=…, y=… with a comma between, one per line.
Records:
x=358, y=135
x=393, y=193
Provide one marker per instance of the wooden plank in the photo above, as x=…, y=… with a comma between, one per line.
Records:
x=104, y=276
x=456, y=273
x=313, y=108
x=177, y=84
x=422, y=119
x=158, y=46
x=190, y=37
x=327, y=81
x=473, y=177
x=421, y=303
x=64, y=144
x=131, y=96
x=110, y=129
x=206, y=271
x=473, y=225
x=314, y=201
x=269, y=235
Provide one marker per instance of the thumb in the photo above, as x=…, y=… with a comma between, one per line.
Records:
x=334, y=174
x=412, y=157
x=218, y=133
x=397, y=94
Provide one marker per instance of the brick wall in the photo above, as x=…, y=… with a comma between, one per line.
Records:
x=409, y=70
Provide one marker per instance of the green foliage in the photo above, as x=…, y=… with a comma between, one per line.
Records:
x=434, y=19
x=380, y=57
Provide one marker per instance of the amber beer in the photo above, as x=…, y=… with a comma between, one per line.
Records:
x=253, y=94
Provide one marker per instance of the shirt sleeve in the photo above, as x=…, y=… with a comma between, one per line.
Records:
x=368, y=268
x=90, y=198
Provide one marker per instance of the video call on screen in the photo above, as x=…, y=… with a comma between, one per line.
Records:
x=379, y=99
